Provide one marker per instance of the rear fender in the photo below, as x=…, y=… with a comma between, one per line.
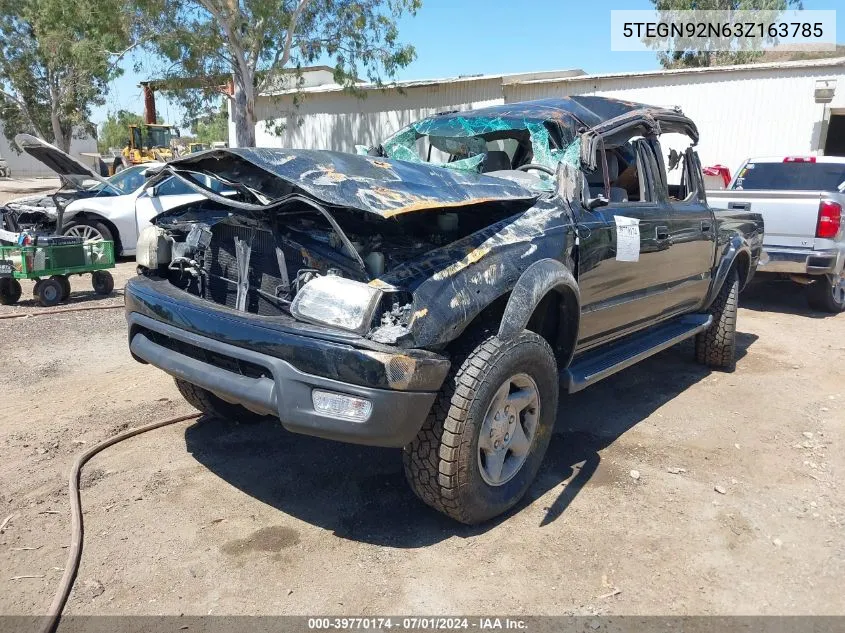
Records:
x=737, y=253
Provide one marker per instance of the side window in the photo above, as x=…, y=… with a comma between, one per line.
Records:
x=627, y=173
x=173, y=187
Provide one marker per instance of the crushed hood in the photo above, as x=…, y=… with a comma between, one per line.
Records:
x=70, y=171
x=382, y=186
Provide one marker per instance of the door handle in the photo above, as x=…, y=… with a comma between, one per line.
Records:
x=705, y=226
x=740, y=206
x=662, y=232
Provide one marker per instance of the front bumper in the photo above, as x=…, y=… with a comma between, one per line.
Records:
x=801, y=261
x=272, y=368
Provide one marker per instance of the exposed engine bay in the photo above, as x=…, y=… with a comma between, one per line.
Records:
x=260, y=261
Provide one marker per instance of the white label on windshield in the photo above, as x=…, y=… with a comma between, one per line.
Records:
x=627, y=239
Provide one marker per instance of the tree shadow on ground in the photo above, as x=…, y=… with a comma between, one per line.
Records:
x=360, y=493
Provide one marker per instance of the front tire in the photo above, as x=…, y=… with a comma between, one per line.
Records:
x=716, y=346
x=205, y=401
x=88, y=230
x=10, y=291
x=485, y=437
x=827, y=294
x=48, y=292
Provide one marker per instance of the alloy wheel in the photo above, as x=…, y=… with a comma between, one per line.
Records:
x=508, y=430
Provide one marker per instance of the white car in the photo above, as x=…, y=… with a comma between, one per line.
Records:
x=114, y=208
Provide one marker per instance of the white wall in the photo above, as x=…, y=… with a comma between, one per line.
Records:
x=338, y=121
x=24, y=166
x=738, y=113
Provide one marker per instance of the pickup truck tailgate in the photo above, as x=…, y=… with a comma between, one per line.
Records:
x=790, y=217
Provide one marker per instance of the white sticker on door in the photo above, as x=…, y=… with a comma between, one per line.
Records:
x=627, y=239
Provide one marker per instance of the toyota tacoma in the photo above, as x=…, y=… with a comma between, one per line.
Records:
x=437, y=291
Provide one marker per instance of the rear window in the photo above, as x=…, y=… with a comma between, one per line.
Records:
x=785, y=176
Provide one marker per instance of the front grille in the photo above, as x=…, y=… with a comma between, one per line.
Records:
x=221, y=265
x=229, y=363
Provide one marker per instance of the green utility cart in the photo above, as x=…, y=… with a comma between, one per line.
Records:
x=50, y=261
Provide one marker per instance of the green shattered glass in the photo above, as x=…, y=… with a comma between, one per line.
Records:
x=460, y=136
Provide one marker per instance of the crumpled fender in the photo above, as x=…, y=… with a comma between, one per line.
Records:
x=542, y=277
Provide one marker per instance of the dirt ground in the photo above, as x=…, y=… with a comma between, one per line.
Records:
x=735, y=506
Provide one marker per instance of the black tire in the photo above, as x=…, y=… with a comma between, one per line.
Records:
x=10, y=291
x=102, y=282
x=205, y=401
x=716, y=346
x=64, y=282
x=49, y=292
x=88, y=229
x=827, y=294
x=443, y=464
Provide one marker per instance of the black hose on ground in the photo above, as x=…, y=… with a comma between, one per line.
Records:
x=21, y=315
x=76, y=530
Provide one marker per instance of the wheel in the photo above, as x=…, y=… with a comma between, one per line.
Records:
x=64, y=282
x=88, y=230
x=49, y=292
x=827, y=293
x=716, y=346
x=483, y=441
x=208, y=403
x=10, y=291
x=102, y=282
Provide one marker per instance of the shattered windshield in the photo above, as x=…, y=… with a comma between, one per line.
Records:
x=486, y=144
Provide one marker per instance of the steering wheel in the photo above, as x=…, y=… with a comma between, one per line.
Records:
x=542, y=168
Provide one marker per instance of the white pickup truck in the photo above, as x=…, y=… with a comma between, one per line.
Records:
x=801, y=200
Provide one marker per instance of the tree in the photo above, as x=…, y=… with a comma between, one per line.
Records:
x=211, y=128
x=56, y=59
x=263, y=44
x=688, y=58
x=114, y=131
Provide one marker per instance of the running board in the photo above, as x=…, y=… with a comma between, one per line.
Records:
x=613, y=357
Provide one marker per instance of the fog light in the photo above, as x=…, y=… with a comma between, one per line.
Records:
x=340, y=405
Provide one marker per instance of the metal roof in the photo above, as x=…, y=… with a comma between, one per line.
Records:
x=804, y=63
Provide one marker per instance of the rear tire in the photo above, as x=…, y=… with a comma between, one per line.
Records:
x=10, y=291
x=102, y=282
x=212, y=405
x=716, y=346
x=827, y=294
x=474, y=459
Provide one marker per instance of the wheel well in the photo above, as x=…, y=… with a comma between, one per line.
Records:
x=556, y=319
x=742, y=264
x=118, y=246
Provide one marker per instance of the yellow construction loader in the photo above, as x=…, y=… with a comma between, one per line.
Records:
x=148, y=142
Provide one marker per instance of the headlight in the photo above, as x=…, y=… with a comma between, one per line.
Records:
x=337, y=301
x=153, y=247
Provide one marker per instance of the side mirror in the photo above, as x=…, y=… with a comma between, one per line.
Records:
x=598, y=201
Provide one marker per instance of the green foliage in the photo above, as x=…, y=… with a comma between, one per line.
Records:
x=114, y=132
x=264, y=44
x=211, y=128
x=56, y=59
x=694, y=58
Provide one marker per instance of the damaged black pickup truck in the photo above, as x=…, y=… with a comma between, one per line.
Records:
x=436, y=292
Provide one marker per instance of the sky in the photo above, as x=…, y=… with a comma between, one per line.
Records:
x=467, y=37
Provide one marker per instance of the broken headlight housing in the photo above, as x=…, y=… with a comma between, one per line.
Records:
x=153, y=248
x=337, y=301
